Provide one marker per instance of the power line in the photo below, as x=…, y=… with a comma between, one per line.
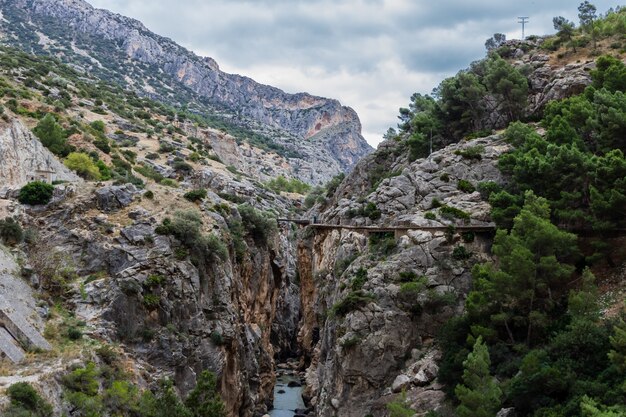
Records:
x=523, y=20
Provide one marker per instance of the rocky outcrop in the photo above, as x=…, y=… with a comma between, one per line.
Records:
x=361, y=321
x=115, y=197
x=231, y=316
x=23, y=158
x=324, y=123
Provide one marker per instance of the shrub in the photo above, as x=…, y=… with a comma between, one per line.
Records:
x=149, y=195
x=410, y=292
x=350, y=342
x=472, y=152
x=25, y=401
x=407, y=276
x=52, y=136
x=84, y=380
x=151, y=301
x=97, y=125
x=83, y=165
x=74, y=333
x=461, y=253
x=105, y=171
x=430, y=215
x=353, y=301
x=465, y=186
x=291, y=185
x=11, y=232
x=196, y=195
x=382, y=243
x=204, y=400
x=168, y=182
x=486, y=188
x=371, y=210
x=35, y=193
x=186, y=227
x=217, y=338
x=450, y=213
x=260, y=225
x=445, y=177
x=360, y=278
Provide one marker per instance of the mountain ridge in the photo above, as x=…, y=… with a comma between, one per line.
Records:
x=154, y=65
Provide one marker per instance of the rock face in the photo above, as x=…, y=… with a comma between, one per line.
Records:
x=367, y=334
x=155, y=65
x=23, y=158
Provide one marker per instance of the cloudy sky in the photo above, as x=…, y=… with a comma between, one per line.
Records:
x=370, y=54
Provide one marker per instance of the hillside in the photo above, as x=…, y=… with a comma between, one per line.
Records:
x=315, y=131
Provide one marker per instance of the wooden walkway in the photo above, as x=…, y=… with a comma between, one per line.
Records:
x=397, y=230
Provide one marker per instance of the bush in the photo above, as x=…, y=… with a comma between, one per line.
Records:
x=11, y=232
x=217, y=338
x=472, y=152
x=196, y=195
x=360, y=278
x=186, y=227
x=353, y=301
x=97, y=125
x=460, y=253
x=25, y=401
x=260, y=225
x=486, y=188
x=430, y=215
x=382, y=243
x=52, y=136
x=465, y=186
x=151, y=301
x=36, y=193
x=291, y=185
x=74, y=333
x=371, y=210
x=83, y=165
x=450, y=213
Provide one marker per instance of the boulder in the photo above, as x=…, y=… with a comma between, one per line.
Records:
x=114, y=197
x=400, y=383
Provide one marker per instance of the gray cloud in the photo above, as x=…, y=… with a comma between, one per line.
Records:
x=370, y=54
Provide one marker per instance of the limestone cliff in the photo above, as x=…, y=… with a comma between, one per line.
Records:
x=366, y=333
x=23, y=158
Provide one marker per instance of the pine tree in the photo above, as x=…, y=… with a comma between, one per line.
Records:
x=479, y=394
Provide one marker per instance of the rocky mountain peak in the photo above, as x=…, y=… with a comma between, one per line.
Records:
x=124, y=49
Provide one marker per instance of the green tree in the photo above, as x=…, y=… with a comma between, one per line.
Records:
x=617, y=355
x=565, y=30
x=52, y=135
x=587, y=16
x=496, y=41
x=519, y=296
x=508, y=86
x=167, y=403
x=400, y=407
x=83, y=165
x=204, y=400
x=479, y=395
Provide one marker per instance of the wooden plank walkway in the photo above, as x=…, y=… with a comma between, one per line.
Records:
x=383, y=229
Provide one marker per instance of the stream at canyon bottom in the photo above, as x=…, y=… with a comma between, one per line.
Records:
x=286, y=399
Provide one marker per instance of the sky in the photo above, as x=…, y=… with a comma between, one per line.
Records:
x=371, y=55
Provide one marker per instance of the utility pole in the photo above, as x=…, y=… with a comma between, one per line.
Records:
x=523, y=20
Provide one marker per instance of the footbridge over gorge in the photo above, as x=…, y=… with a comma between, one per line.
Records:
x=398, y=230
